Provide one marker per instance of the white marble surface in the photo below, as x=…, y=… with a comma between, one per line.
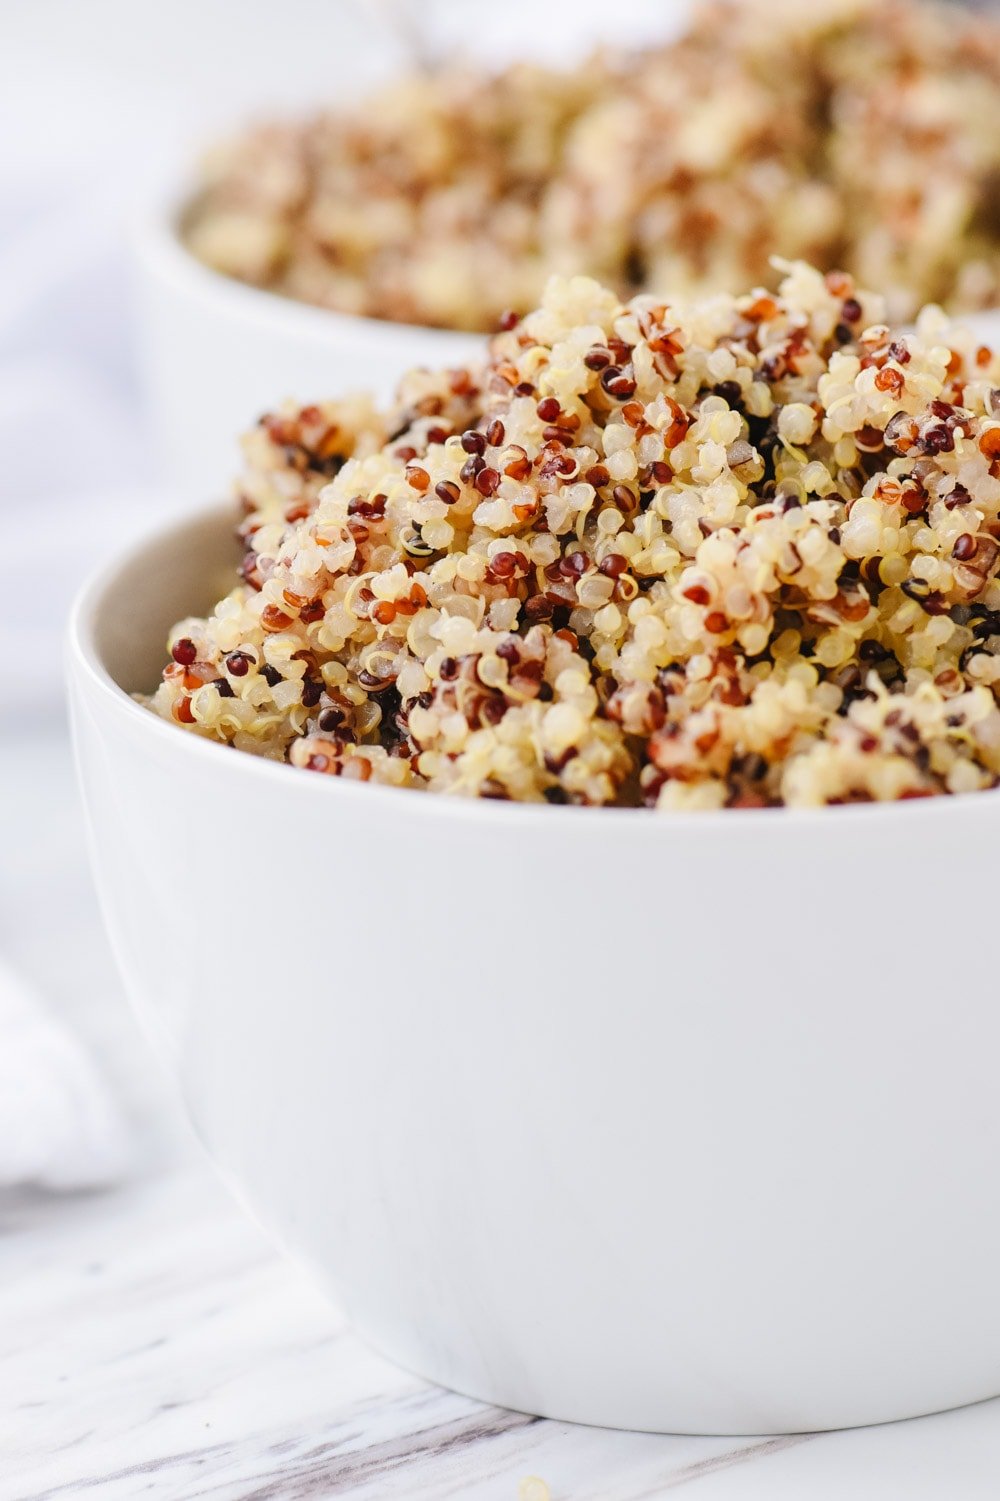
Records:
x=152, y=1344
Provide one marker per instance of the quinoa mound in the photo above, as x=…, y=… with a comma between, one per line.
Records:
x=854, y=133
x=732, y=552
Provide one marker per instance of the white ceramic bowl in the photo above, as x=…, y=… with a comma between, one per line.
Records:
x=216, y=354
x=678, y=1122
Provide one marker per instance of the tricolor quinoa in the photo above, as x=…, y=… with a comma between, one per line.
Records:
x=856, y=133
x=736, y=552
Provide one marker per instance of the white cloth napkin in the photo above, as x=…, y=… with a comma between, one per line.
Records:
x=59, y=1127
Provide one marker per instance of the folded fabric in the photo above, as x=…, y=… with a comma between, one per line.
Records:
x=59, y=1126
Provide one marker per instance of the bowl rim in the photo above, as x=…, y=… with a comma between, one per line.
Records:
x=83, y=662
x=158, y=247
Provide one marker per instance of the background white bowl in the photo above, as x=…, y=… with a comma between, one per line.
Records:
x=659, y=1121
x=217, y=353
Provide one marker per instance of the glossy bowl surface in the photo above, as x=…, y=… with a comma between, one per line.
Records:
x=676, y=1122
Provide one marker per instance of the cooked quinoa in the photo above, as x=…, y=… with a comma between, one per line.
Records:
x=729, y=552
x=855, y=133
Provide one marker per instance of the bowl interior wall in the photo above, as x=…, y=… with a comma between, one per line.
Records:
x=181, y=574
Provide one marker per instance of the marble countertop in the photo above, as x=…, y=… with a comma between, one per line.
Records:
x=152, y=1343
